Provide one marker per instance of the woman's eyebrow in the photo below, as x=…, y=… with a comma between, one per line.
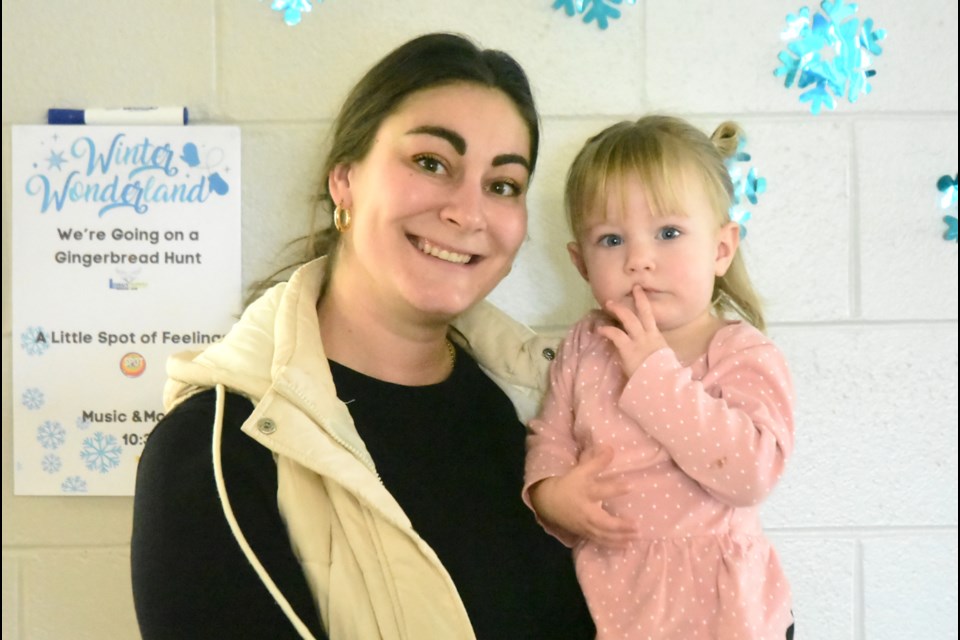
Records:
x=511, y=158
x=454, y=138
x=460, y=145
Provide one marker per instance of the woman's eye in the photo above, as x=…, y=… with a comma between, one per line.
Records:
x=430, y=163
x=610, y=240
x=506, y=188
x=668, y=233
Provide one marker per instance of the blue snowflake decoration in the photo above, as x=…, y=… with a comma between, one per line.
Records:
x=51, y=435
x=745, y=186
x=74, y=484
x=948, y=198
x=951, y=232
x=32, y=398
x=599, y=11
x=34, y=341
x=101, y=452
x=829, y=53
x=51, y=463
x=82, y=424
x=293, y=10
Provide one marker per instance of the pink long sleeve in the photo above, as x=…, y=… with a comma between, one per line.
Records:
x=731, y=431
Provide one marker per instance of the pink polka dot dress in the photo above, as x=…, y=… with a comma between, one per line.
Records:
x=703, y=445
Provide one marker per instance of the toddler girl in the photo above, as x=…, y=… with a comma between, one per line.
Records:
x=684, y=415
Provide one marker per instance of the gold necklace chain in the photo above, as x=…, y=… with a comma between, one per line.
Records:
x=451, y=354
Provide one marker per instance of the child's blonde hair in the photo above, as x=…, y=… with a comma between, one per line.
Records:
x=662, y=151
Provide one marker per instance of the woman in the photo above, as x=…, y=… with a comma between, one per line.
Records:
x=366, y=473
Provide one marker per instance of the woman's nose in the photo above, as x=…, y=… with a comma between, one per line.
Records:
x=465, y=208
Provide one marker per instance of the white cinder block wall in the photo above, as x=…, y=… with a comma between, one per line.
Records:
x=846, y=248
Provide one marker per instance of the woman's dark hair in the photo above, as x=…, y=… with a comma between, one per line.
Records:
x=425, y=62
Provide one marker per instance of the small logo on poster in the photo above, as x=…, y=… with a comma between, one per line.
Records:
x=124, y=285
x=133, y=364
x=126, y=281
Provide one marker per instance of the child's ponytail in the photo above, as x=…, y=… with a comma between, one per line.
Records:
x=726, y=138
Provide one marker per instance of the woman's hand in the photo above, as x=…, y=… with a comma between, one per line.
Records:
x=574, y=501
x=639, y=336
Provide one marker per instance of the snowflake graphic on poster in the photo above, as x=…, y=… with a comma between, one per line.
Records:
x=32, y=398
x=51, y=463
x=51, y=434
x=34, y=341
x=101, y=452
x=74, y=484
x=56, y=160
x=82, y=424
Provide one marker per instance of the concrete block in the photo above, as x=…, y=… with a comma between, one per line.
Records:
x=910, y=586
x=720, y=58
x=703, y=62
x=908, y=270
x=822, y=573
x=876, y=435
x=797, y=247
x=914, y=72
x=306, y=72
x=111, y=53
x=78, y=594
x=281, y=181
x=11, y=597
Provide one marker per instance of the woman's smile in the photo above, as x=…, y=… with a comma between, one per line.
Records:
x=443, y=253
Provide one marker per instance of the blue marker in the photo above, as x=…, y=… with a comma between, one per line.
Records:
x=124, y=115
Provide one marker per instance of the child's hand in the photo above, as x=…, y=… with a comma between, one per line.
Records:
x=639, y=336
x=574, y=501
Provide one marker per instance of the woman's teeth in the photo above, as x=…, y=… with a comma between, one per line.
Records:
x=443, y=254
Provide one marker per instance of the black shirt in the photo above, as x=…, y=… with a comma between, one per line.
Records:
x=452, y=454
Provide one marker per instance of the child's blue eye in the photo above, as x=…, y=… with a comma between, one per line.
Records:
x=668, y=233
x=610, y=240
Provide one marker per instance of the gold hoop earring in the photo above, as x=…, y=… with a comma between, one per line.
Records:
x=342, y=219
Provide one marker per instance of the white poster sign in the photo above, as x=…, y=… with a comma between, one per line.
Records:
x=126, y=248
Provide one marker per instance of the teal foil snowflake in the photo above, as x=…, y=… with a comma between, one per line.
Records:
x=599, y=11
x=947, y=186
x=746, y=186
x=293, y=10
x=829, y=55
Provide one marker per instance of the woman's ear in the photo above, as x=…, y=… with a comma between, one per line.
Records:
x=338, y=185
x=728, y=239
x=576, y=257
